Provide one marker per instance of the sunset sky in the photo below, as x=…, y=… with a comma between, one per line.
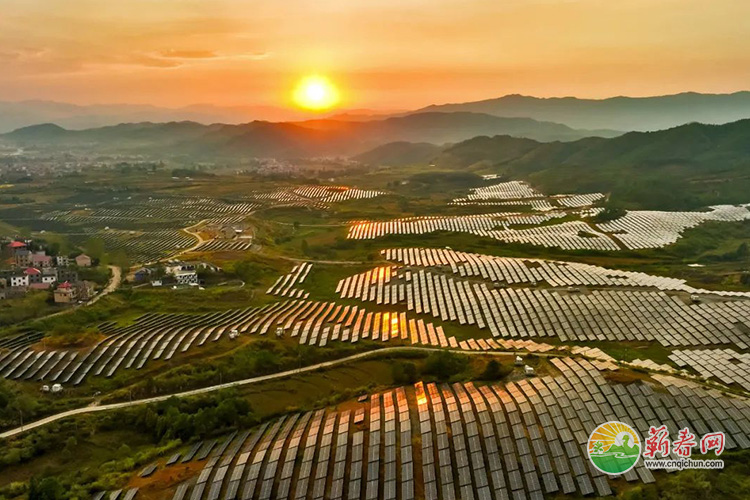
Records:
x=382, y=54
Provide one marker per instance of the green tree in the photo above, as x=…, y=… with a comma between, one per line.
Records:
x=444, y=365
x=743, y=251
x=48, y=488
x=404, y=372
x=493, y=371
x=94, y=248
x=598, y=448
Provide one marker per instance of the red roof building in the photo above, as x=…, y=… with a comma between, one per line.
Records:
x=17, y=244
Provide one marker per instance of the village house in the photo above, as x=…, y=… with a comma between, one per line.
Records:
x=85, y=290
x=62, y=261
x=65, y=293
x=142, y=274
x=186, y=277
x=34, y=275
x=83, y=260
x=19, y=280
x=66, y=274
x=41, y=259
x=49, y=275
x=230, y=232
x=16, y=246
x=22, y=257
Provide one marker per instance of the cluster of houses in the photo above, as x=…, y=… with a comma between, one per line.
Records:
x=173, y=273
x=29, y=269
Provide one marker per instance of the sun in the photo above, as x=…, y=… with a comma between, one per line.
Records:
x=316, y=93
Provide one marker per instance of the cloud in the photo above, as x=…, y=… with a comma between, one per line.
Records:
x=22, y=54
x=186, y=54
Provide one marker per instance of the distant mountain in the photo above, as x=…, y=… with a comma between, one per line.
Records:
x=618, y=113
x=684, y=167
x=323, y=137
x=14, y=115
x=400, y=153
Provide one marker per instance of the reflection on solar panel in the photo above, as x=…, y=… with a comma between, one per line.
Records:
x=523, y=439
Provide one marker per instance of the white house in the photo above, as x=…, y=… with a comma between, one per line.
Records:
x=186, y=277
x=20, y=280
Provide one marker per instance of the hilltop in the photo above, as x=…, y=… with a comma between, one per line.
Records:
x=620, y=113
x=683, y=167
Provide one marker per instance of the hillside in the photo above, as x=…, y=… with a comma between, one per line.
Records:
x=289, y=139
x=400, y=154
x=619, y=113
x=684, y=167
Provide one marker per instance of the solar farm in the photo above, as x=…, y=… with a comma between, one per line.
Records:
x=634, y=230
x=580, y=342
x=521, y=439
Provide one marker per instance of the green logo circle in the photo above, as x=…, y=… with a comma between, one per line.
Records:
x=614, y=448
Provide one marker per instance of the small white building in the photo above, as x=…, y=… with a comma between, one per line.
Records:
x=528, y=371
x=57, y=388
x=519, y=360
x=19, y=280
x=186, y=277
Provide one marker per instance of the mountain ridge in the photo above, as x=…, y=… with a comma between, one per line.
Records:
x=619, y=113
x=323, y=137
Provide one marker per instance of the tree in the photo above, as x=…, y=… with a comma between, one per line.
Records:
x=403, y=372
x=493, y=371
x=444, y=364
x=94, y=248
x=71, y=443
x=48, y=488
x=742, y=251
x=305, y=247
x=248, y=271
x=23, y=405
x=598, y=448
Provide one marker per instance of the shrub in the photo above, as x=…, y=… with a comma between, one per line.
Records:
x=443, y=364
x=404, y=372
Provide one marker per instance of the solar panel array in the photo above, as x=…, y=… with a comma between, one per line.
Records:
x=647, y=229
x=523, y=439
x=318, y=196
x=519, y=271
x=157, y=336
x=287, y=284
x=221, y=245
x=579, y=200
x=726, y=365
x=598, y=315
x=502, y=191
x=495, y=225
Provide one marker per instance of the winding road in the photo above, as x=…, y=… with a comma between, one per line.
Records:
x=114, y=284
x=95, y=407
